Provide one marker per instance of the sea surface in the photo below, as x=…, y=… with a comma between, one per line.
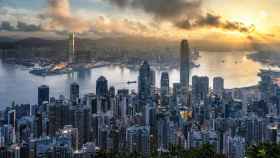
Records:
x=17, y=84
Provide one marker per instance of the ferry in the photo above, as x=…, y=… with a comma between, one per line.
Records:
x=39, y=71
x=193, y=65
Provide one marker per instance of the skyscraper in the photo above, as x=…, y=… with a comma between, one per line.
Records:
x=153, y=81
x=218, y=86
x=200, y=89
x=176, y=89
x=43, y=94
x=12, y=118
x=185, y=64
x=74, y=92
x=112, y=91
x=102, y=86
x=144, y=81
x=13, y=122
x=82, y=123
x=71, y=47
x=59, y=115
x=164, y=89
x=92, y=103
x=38, y=125
x=137, y=138
x=266, y=86
x=163, y=133
x=164, y=84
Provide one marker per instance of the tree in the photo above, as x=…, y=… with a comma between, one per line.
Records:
x=206, y=151
x=265, y=150
x=175, y=151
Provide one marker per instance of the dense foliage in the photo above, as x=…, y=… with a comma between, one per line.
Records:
x=206, y=151
x=265, y=150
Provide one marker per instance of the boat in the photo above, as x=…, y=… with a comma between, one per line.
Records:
x=39, y=71
x=95, y=65
x=27, y=64
x=193, y=65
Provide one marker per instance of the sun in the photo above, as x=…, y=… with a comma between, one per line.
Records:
x=263, y=14
x=257, y=19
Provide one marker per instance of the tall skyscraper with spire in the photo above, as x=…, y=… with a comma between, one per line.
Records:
x=164, y=84
x=71, y=47
x=144, y=81
x=185, y=64
x=164, y=89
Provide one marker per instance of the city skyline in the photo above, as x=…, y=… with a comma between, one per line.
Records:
x=171, y=121
x=139, y=79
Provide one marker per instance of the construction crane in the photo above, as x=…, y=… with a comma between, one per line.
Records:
x=131, y=82
x=127, y=82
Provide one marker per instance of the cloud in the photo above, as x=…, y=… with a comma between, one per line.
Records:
x=184, y=14
x=107, y=27
x=265, y=42
x=20, y=26
x=168, y=19
x=162, y=9
x=55, y=17
x=215, y=21
x=6, y=26
x=59, y=17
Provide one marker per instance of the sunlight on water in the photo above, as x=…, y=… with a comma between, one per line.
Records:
x=20, y=86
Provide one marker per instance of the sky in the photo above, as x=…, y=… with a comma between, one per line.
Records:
x=233, y=22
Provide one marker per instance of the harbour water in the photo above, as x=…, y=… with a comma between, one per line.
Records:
x=17, y=84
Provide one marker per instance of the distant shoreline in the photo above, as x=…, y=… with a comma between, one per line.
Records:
x=266, y=58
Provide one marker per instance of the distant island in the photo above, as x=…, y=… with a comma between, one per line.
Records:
x=270, y=58
x=50, y=57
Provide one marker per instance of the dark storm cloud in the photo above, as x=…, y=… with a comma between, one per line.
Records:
x=120, y=3
x=6, y=26
x=215, y=21
x=163, y=9
x=20, y=26
x=184, y=14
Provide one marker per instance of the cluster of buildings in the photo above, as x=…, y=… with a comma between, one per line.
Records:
x=151, y=120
